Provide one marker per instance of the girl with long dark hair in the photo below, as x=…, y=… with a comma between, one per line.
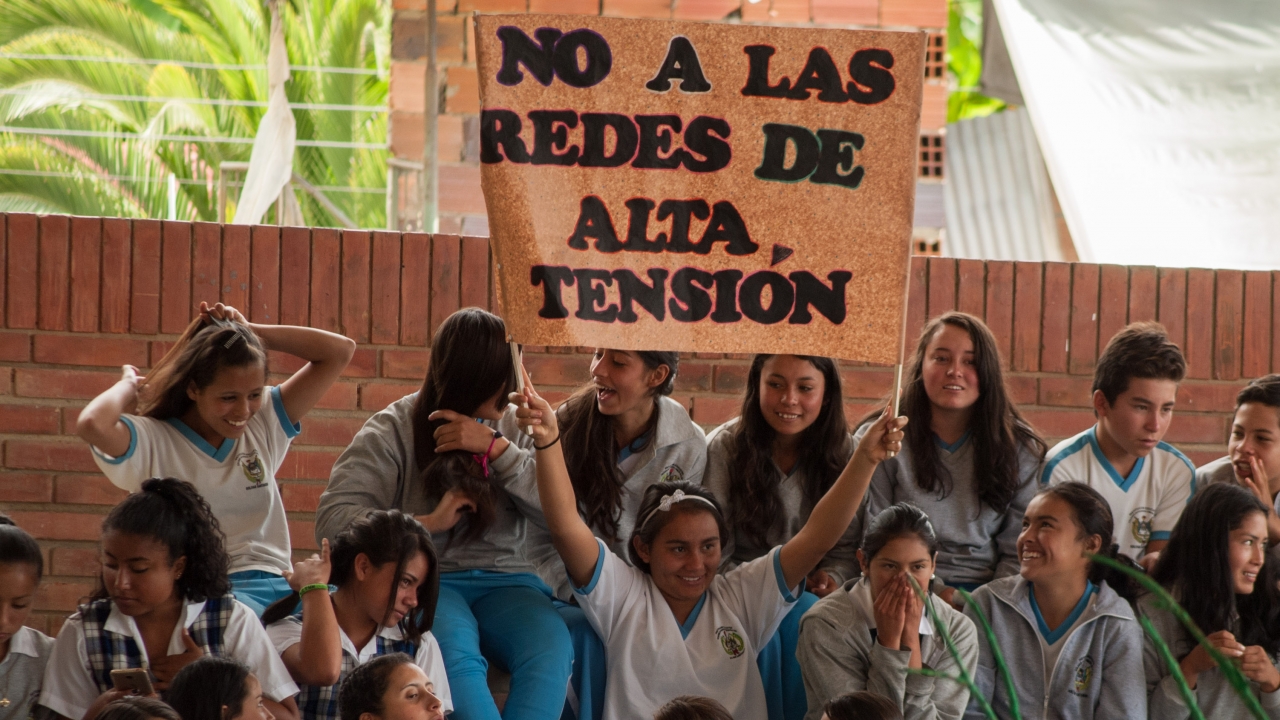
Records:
x=388, y=581
x=163, y=600
x=969, y=460
x=217, y=688
x=769, y=467
x=444, y=455
x=1216, y=566
x=1064, y=622
x=205, y=413
x=872, y=635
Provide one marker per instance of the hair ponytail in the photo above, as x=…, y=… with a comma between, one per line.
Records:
x=1124, y=585
x=18, y=547
x=173, y=513
x=196, y=357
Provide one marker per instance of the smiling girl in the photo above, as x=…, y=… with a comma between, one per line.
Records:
x=768, y=468
x=1215, y=566
x=969, y=460
x=1064, y=624
x=673, y=610
x=870, y=635
x=162, y=603
x=206, y=413
x=388, y=581
x=23, y=651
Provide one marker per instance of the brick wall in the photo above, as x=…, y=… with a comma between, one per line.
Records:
x=461, y=204
x=81, y=296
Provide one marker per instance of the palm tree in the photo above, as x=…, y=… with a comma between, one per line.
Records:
x=101, y=100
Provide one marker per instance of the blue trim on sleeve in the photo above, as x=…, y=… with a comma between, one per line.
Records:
x=219, y=454
x=1122, y=483
x=595, y=576
x=291, y=428
x=1054, y=636
x=687, y=626
x=953, y=447
x=1081, y=440
x=133, y=445
x=1187, y=461
x=782, y=579
x=1159, y=535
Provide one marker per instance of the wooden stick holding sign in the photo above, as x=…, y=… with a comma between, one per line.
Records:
x=515, y=363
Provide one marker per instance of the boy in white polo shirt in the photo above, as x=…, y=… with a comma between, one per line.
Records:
x=1123, y=456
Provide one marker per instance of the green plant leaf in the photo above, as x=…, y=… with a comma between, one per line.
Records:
x=941, y=628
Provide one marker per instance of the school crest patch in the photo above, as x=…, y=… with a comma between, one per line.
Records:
x=1140, y=524
x=1084, y=674
x=731, y=642
x=251, y=465
x=672, y=473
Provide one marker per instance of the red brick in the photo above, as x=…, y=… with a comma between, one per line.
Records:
x=284, y=363
x=1208, y=397
x=117, y=259
x=1058, y=318
x=307, y=465
x=235, y=266
x=62, y=595
x=694, y=376
x=415, y=289
x=565, y=7
x=329, y=430
x=658, y=9
x=855, y=413
x=295, y=275
x=144, y=307
x=473, y=273
x=339, y=396
x=446, y=251
x=364, y=364
x=715, y=410
x=1172, y=308
x=917, y=298
x=1066, y=391
x=1113, y=300
x=377, y=396
x=175, y=277
x=551, y=370
x=55, y=260
x=971, y=286
x=847, y=12
x=385, y=301
x=408, y=364
x=867, y=383
x=492, y=6
x=708, y=356
x=67, y=384
x=1000, y=308
x=326, y=267
x=942, y=285
x=26, y=487
x=1202, y=457
x=80, y=350
x=1056, y=425
x=462, y=91
x=705, y=9
x=301, y=497
x=1198, y=346
x=264, y=275
x=28, y=419
x=1026, y=326
x=6, y=381
x=206, y=264
x=75, y=561
x=86, y=255
x=1023, y=389
x=776, y=11
x=15, y=347
x=1256, y=348
x=355, y=285
x=1197, y=428
x=86, y=490
x=1228, y=325
x=46, y=455
x=22, y=270
x=731, y=378
x=302, y=535
x=1142, y=293
x=59, y=525
x=913, y=13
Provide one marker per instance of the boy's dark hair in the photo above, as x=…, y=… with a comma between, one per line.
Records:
x=692, y=707
x=362, y=690
x=1141, y=350
x=863, y=706
x=200, y=689
x=17, y=546
x=173, y=513
x=137, y=707
x=648, y=531
x=1263, y=391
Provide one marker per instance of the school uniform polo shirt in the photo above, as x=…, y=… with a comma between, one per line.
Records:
x=21, y=672
x=237, y=479
x=1145, y=505
x=652, y=658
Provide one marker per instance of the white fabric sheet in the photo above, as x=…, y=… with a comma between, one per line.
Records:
x=271, y=162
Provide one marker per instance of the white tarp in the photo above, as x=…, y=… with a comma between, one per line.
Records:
x=271, y=163
x=1160, y=124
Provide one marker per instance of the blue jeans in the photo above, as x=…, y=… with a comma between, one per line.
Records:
x=508, y=617
x=783, y=683
x=589, y=669
x=258, y=588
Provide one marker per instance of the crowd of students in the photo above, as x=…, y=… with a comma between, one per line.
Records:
x=618, y=563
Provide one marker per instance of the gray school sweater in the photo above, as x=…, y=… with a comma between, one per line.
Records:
x=1099, y=670
x=378, y=471
x=1213, y=691
x=678, y=452
x=976, y=544
x=841, y=563
x=839, y=654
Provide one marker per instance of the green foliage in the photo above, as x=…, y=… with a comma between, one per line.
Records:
x=941, y=628
x=964, y=60
x=1188, y=697
x=80, y=95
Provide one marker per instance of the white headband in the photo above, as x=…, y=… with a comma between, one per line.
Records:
x=667, y=501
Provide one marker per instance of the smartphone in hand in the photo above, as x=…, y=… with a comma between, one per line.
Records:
x=133, y=680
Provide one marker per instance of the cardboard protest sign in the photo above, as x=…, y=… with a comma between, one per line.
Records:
x=687, y=186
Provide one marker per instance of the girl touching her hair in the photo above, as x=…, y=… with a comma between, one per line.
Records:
x=23, y=651
x=217, y=688
x=445, y=455
x=768, y=468
x=205, y=412
x=673, y=610
x=162, y=602
x=1216, y=567
x=872, y=635
x=388, y=581
x=969, y=460
x=390, y=687
x=1064, y=623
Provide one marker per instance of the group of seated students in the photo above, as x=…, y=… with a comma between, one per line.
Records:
x=618, y=563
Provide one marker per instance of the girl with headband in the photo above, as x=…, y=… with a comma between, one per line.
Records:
x=672, y=610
